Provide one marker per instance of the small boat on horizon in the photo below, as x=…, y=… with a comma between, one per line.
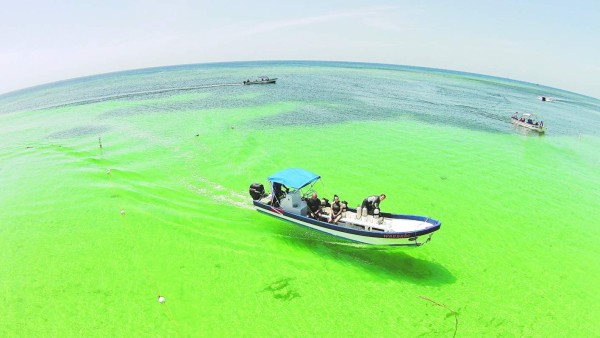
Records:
x=546, y=98
x=528, y=121
x=260, y=80
x=359, y=225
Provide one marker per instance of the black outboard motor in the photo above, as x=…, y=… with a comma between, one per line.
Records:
x=257, y=191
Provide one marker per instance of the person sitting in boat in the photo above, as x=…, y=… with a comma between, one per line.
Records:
x=336, y=210
x=515, y=116
x=530, y=121
x=541, y=124
x=314, y=206
x=372, y=203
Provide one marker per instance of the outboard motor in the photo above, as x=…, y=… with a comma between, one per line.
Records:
x=257, y=191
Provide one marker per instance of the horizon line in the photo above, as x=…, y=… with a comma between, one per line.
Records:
x=25, y=89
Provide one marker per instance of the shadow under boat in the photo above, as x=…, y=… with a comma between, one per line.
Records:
x=389, y=262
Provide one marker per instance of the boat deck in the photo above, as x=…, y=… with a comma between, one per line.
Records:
x=388, y=224
x=369, y=223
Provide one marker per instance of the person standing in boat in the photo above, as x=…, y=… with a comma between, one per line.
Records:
x=372, y=203
x=314, y=206
x=336, y=210
x=278, y=192
x=277, y=188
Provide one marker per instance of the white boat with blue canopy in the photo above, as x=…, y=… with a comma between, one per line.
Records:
x=290, y=188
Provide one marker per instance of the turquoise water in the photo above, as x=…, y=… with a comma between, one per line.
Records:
x=92, y=235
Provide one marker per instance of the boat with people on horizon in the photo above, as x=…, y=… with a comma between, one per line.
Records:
x=291, y=199
x=261, y=80
x=528, y=121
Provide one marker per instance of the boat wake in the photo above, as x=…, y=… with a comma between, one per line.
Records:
x=133, y=94
x=219, y=194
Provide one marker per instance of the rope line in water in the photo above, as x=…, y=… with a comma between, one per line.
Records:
x=452, y=312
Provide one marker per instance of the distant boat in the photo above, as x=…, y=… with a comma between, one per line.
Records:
x=355, y=224
x=528, y=121
x=261, y=80
x=546, y=98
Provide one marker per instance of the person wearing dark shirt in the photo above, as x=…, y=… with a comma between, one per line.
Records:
x=278, y=192
x=372, y=203
x=336, y=210
x=314, y=206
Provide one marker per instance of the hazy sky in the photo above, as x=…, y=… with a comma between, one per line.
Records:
x=554, y=43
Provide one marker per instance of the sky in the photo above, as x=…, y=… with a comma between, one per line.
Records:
x=553, y=43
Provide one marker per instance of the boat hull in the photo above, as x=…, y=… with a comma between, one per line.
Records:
x=260, y=82
x=413, y=238
x=528, y=126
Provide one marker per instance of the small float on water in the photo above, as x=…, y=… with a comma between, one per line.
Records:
x=359, y=225
x=260, y=80
x=528, y=121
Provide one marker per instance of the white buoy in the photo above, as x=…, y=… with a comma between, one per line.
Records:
x=161, y=299
x=122, y=211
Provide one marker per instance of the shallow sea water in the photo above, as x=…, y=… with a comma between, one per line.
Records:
x=87, y=252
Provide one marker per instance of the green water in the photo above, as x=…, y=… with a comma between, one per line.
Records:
x=87, y=252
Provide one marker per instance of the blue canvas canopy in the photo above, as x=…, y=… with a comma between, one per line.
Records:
x=294, y=177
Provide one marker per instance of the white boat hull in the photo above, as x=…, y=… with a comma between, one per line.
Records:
x=260, y=81
x=411, y=238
